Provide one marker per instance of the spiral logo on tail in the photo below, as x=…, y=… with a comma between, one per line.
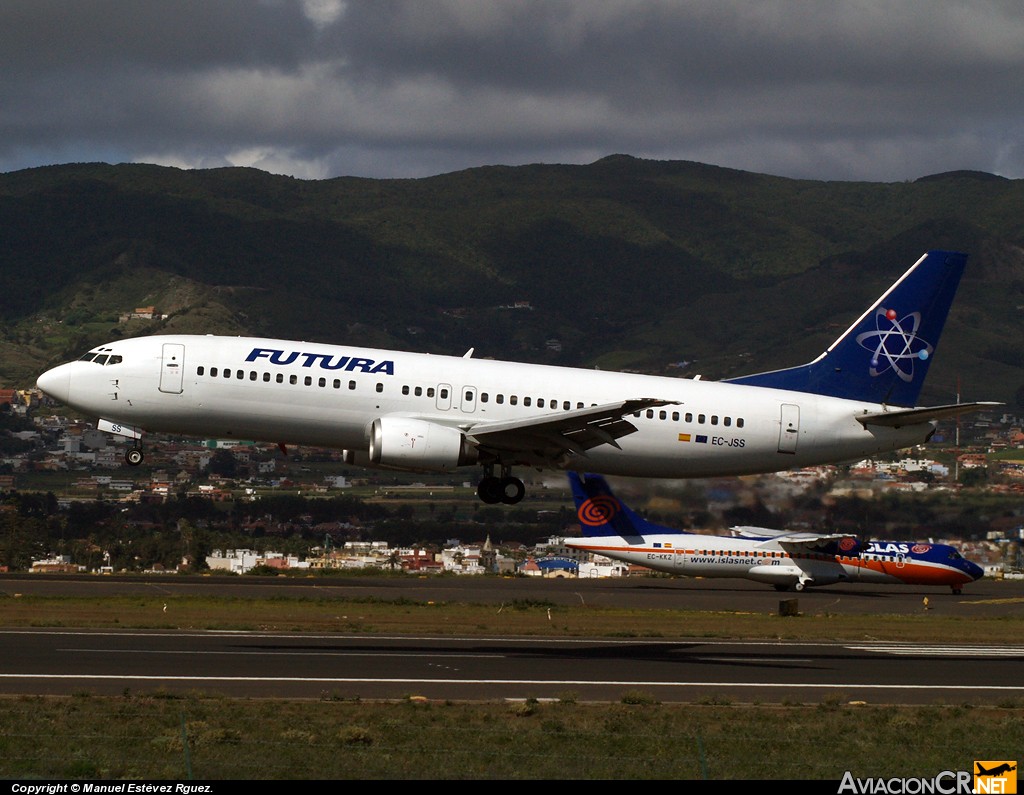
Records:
x=598, y=510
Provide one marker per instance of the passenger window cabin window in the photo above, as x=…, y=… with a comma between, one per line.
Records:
x=714, y=419
x=240, y=375
x=337, y=383
x=727, y=421
x=484, y=397
x=688, y=417
x=566, y=405
x=469, y=396
x=380, y=387
x=266, y=378
x=579, y=405
x=650, y=414
x=739, y=422
x=293, y=379
x=513, y=400
x=527, y=401
x=675, y=416
x=430, y=391
x=444, y=394
x=252, y=375
x=308, y=380
x=663, y=415
x=213, y=372
x=200, y=370
x=499, y=399
x=227, y=373
x=322, y=382
x=419, y=392
x=352, y=385
x=280, y=378
x=700, y=419
x=540, y=403
x=405, y=390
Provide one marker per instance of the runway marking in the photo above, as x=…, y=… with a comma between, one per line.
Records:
x=1013, y=600
x=234, y=653
x=756, y=660
x=944, y=651
x=533, y=682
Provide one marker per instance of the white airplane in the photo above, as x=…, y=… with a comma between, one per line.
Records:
x=428, y=413
x=780, y=558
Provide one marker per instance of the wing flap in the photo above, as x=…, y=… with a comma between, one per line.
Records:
x=564, y=431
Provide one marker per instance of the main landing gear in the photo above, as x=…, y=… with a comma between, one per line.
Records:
x=493, y=489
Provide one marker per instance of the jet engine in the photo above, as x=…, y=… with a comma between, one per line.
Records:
x=406, y=443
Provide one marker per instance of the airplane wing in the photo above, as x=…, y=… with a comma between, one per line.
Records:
x=897, y=418
x=787, y=538
x=552, y=436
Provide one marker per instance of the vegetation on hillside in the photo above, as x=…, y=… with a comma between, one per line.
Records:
x=626, y=263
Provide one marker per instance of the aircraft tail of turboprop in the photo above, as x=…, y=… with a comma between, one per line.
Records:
x=601, y=513
x=884, y=356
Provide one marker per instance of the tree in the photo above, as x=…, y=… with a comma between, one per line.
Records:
x=223, y=463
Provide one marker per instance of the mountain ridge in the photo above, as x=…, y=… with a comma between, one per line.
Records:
x=625, y=263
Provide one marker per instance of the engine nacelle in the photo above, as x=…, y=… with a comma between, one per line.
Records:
x=406, y=443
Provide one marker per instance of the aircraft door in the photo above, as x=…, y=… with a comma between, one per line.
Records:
x=172, y=368
x=468, y=404
x=789, y=432
x=444, y=396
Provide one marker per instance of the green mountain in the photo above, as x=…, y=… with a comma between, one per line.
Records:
x=621, y=264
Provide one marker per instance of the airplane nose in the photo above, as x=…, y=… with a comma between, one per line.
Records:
x=56, y=383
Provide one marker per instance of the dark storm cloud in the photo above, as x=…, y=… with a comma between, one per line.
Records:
x=859, y=90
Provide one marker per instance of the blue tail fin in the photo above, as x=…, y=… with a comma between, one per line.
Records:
x=602, y=514
x=884, y=356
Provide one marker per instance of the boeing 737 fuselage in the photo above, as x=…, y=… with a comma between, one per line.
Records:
x=423, y=412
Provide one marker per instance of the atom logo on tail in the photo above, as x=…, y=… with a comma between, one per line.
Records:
x=894, y=344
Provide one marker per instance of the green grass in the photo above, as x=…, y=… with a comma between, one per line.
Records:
x=158, y=736
x=518, y=617
x=206, y=736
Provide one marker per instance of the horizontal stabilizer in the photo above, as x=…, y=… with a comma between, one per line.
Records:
x=897, y=418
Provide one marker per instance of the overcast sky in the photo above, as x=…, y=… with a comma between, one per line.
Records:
x=879, y=90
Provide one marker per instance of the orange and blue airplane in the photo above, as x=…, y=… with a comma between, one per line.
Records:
x=787, y=560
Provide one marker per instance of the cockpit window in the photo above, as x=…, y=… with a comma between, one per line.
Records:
x=99, y=357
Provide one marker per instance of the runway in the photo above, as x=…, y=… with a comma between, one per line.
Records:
x=272, y=665
x=290, y=665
